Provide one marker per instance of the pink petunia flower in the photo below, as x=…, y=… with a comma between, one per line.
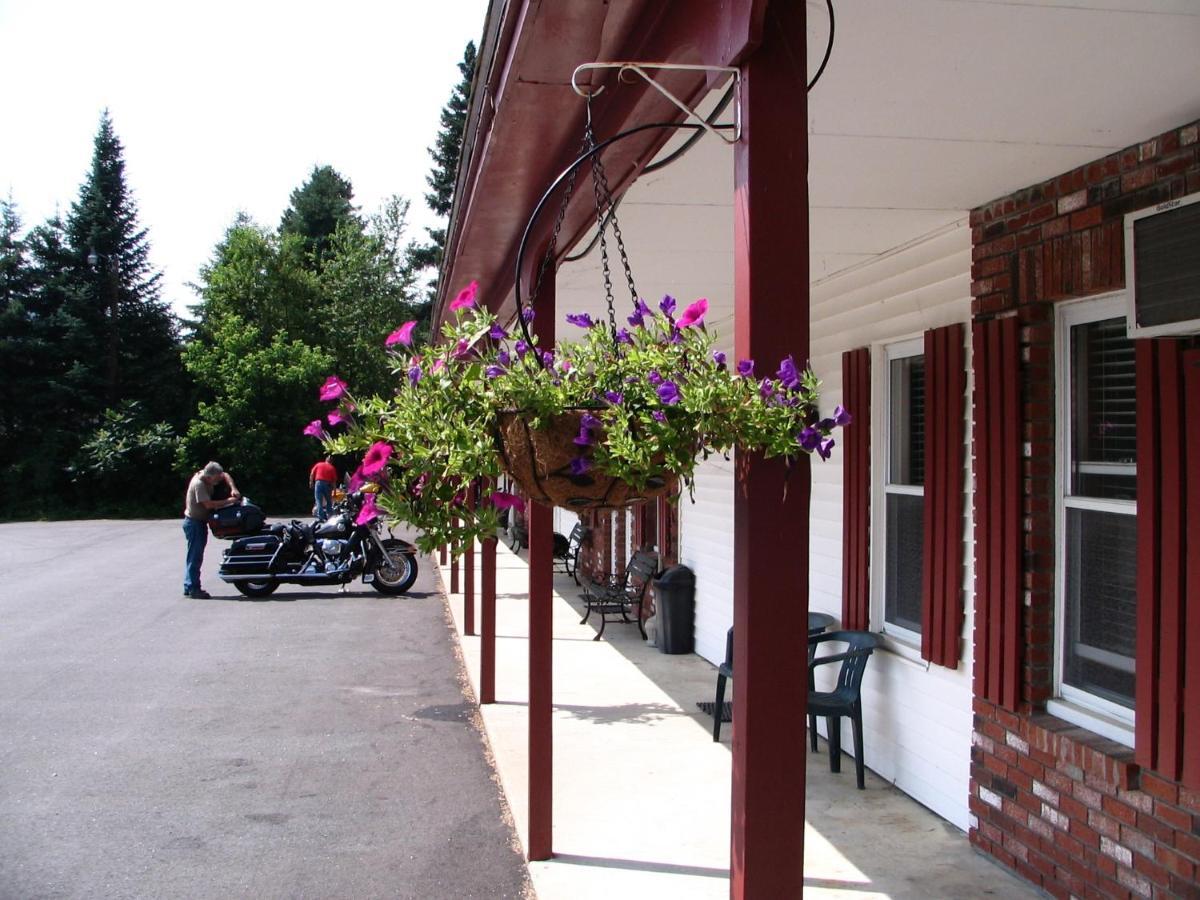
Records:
x=694, y=314
x=501, y=500
x=333, y=388
x=376, y=459
x=314, y=429
x=369, y=513
x=337, y=417
x=402, y=335
x=466, y=297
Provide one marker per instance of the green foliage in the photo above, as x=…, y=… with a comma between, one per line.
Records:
x=319, y=207
x=446, y=153
x=78, y=337
x=125, y=464
x=258, y=387
x=134, y=336
x=264, y=279
x=656, y=397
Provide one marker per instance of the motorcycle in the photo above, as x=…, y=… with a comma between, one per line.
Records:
x=334, y=551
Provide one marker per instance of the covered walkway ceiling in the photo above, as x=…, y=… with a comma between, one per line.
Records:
x=927, y=109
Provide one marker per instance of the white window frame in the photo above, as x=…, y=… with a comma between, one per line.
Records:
x=903, y=641
x=1077, y=706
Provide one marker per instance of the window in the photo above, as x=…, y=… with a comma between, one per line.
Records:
x=903, y=488
x=1096, y=622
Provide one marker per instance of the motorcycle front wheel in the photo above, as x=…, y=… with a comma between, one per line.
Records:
x=257, y=588
x=397, y=573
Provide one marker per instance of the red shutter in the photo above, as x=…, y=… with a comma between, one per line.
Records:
x=941, y=594
x=1168, y=580
x=856, y=490
x=997, y=445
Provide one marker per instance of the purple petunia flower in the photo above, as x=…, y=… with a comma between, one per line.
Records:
x=497, y=333
x=787, y=374
x=667, y=304
x=503, y=358
x=825, y=448
x=659, y=415
x=745, y=368
x=522, y=348
x=624, y=337
x=584, y=438
x=809, y=439
x=614, y=397
x=414, y=375
x=675, y=337
x=640, y=311
x=548, y=358
x=587, y=420
x=582, y=320
x=580, y=465
x=654, y=378
x=841, y=417
x=668, y=393
x=527, y=314
x=767, y=388
x=719, y=359
x=493, y=371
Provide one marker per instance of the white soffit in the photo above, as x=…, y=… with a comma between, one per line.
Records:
x=927, y=109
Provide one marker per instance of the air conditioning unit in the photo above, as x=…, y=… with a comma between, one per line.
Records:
x=1162, y=268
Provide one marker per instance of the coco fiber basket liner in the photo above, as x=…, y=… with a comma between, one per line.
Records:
x=539, y=460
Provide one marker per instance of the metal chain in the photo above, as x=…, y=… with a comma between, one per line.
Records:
x=597, y=189
x=558, y=223
x=599, y=173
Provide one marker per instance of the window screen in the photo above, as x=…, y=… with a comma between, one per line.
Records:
x=1099, y=627
x=904, y=508
x=1166, y=253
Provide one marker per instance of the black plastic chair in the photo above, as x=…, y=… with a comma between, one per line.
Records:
x=621, y=596
x=817, y=622
x=846, y=697
x=566, y=550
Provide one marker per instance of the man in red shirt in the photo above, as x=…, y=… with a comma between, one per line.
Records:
x=322, y=479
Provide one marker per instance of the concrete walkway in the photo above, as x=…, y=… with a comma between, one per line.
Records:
x=642, y=794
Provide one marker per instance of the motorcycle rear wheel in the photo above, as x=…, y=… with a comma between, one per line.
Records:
x=399, y=572
x=257, y=588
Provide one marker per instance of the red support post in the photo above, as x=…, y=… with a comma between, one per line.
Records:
x=453, y=564
x=771, y=503
x=469, y=573
x=540, y=523
x=487, y=615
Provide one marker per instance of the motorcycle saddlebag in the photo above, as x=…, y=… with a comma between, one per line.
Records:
x=236, y=521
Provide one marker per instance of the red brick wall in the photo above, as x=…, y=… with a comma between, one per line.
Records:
x=1068, y=810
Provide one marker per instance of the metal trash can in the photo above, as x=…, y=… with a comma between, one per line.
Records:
x=675, y=605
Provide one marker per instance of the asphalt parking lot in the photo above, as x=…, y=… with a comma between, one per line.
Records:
x=312, y=744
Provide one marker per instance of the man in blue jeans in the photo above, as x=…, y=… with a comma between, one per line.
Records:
x=197, y=505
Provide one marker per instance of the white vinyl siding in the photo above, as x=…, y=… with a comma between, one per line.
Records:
x=706, y=547
x=916, y=717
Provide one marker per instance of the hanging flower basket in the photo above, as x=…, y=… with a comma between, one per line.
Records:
x=546, y=463
x=622, y=414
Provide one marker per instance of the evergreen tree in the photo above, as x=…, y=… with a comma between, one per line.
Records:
x=442, y=178
x=135, y=341
x=318, y=207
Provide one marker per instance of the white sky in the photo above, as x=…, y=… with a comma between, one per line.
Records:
x=225, y=106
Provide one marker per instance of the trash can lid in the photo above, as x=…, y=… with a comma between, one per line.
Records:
x=676, y=576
